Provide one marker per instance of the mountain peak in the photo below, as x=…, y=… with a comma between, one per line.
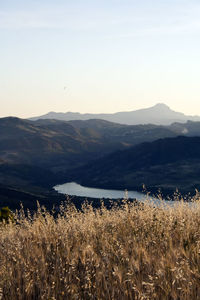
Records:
x=161, y=106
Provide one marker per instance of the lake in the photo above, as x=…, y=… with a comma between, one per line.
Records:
x=75, y=189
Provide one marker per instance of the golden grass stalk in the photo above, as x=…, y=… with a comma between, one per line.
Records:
x=131, y=252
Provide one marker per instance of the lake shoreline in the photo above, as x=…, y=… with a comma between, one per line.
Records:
x=79, y=194
x=152, y=191
x=96, y=203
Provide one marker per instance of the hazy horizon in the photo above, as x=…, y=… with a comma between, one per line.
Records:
x=98, y=57
x=101, y=112
x=90, y=112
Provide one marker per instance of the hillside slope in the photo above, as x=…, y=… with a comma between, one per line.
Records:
x=55, y=144
x=36, y=155
x=42, y=152
x=164, y=164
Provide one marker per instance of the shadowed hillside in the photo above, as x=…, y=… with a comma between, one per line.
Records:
x=57, y=146
x=54, y=143
x=168, y=164
x=40, y=154
x=36, y=155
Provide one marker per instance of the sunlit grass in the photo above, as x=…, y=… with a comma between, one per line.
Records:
x=131, y=252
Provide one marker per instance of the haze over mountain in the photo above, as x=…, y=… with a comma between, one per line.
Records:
x=159, y=114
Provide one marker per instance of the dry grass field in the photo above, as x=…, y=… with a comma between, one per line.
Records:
x=131, y=252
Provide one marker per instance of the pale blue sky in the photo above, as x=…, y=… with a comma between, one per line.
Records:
x=110, y=55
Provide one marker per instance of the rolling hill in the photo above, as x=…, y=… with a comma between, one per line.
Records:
x=42, y=152
x=54, y=144
x=164, y=164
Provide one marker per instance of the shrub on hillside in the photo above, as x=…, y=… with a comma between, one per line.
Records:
x=6, y=215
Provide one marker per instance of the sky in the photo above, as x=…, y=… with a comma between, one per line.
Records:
x=98, y=56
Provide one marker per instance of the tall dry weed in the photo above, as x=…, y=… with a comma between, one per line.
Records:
x=131, y=252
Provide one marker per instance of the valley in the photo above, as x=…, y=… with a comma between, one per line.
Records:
x=37, y=155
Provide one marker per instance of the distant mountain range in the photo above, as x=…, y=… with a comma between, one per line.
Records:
x=160, y=114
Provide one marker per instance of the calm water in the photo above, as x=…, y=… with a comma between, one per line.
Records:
x=75, y=189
